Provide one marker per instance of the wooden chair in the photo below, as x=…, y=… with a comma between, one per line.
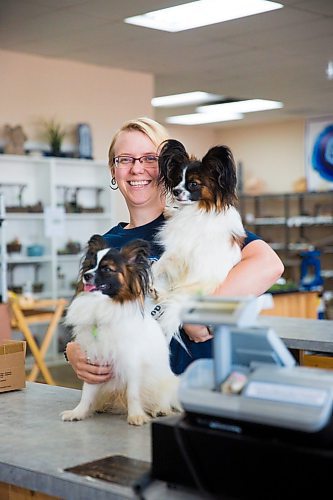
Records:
x=25, y=312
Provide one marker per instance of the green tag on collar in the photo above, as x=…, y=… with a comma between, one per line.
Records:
x=94, y=331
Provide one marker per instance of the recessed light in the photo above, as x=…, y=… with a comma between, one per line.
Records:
x=184, y=99
x=329, y=70
x=202, y=118
x=201, y=13
x=248, y=106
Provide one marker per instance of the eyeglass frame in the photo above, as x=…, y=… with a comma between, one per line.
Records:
x=131, y=164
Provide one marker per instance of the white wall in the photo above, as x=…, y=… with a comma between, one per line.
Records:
x=271, y=152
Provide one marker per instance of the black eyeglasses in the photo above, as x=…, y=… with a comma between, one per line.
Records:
x=124, y=161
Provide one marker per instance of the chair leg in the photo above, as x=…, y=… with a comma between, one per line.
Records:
x=22, y=325
x=48, y=337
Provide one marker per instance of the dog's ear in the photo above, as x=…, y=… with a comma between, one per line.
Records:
x=136, y=252
x=96, y=242
x=220, y=163
x=172, y=156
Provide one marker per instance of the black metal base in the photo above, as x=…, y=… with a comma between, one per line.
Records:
x=234, y=463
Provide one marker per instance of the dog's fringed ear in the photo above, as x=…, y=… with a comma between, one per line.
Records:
x=96, y=242
x=136, y=252
x=172, y=156
x=220, y=163
x=137, y=255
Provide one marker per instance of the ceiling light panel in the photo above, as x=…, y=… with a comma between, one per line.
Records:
x=203, y=118
x=248, y=106
x=188, y=98
x=201, y=13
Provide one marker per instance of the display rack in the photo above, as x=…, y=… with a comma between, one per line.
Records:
x=3, y=270
x=293, y=223
x=53, y=206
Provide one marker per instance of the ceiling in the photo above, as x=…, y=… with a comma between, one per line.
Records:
x=280, y=55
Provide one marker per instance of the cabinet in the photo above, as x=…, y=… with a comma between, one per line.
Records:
x=293, y=223
x=53, y=206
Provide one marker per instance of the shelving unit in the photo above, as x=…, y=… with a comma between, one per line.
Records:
x=3, y=269
x=50, y=202
x=292, y=223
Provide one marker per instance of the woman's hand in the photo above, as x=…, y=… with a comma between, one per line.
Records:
x=197, y=333
x=84, y=369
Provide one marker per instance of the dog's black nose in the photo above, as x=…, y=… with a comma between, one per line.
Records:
x=176, y=192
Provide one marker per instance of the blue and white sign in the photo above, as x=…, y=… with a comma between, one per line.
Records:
x=319, y=155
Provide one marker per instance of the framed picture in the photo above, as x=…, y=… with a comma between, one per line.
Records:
x=319, y=154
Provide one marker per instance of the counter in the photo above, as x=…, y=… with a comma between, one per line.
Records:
x=36, y=446
x=303, y=334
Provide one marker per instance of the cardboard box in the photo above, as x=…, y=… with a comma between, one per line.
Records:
x=12, y=365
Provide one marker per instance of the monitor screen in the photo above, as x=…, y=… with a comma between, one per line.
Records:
x=253, y=346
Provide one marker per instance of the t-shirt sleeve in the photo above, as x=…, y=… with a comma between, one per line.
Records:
x=250, y=237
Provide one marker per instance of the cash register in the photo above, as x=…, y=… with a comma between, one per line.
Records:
x=254, y=425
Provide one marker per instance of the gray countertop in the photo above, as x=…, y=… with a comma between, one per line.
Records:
x=299, y=333
x=36, y=445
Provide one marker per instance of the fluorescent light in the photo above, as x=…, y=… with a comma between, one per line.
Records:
x=202, y=118
x=184, y=99
x=201, y=13
x=329, y=70
x=248, y=106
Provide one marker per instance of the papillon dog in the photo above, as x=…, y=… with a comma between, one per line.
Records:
x=202, y=238
x=113, y=327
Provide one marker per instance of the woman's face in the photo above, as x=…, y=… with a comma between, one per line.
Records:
x=137, y=182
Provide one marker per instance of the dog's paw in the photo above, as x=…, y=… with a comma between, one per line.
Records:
x=177, y=408
x=162, y=412
x=72, y=415
x=140, y=419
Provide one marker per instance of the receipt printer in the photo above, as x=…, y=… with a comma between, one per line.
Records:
x=251, y=416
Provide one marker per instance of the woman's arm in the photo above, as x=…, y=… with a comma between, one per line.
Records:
x=93, y=374
x=258, y=270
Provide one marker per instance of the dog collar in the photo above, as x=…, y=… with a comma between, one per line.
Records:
x=94, y=331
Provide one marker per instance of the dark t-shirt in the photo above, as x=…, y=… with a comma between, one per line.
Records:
x=118, y=237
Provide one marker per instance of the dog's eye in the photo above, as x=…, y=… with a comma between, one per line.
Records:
x=107, y=269
x=193, y=186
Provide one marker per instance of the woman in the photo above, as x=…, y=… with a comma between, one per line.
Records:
x=133, y=164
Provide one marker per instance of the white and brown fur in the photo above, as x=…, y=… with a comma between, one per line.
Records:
x=203, y=236
x=112, y=326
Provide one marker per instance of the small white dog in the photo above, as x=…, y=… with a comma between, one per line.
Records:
x=202, y=238
x=112, y=326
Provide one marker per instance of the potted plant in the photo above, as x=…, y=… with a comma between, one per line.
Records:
x=54, y=134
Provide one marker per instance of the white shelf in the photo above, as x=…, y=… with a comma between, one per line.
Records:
x=297, y=221
x=24, y=216
x=29, y=260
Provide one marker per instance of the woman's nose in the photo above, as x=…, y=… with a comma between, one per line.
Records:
x=137, y=167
